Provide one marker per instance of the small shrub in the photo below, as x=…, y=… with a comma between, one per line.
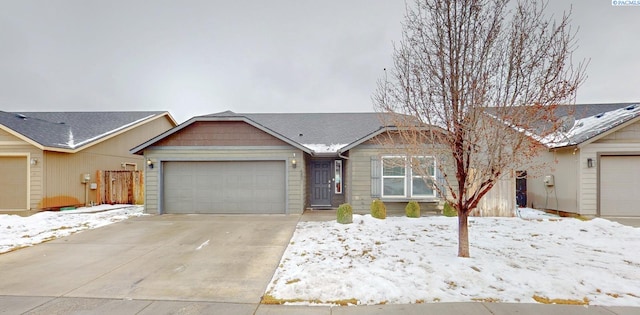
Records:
x=412, y=209
x=449, y=211
x=378, y=209
x=345, y=213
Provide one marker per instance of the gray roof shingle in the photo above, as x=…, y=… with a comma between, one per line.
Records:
x=591, y=120
x=320, y=132
x=71, y=130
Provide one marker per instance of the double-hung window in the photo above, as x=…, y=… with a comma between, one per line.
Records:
x=423, y=176
x=408, y=177
x=394, y=176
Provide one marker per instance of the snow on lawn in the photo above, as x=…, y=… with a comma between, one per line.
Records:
x=17, y=232
x=408, y=260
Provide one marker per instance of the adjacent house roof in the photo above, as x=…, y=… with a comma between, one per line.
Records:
x=314, y=133
x=585, y=123
x=71, y=131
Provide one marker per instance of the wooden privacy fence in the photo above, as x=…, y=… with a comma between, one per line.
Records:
x=500, y=201
x=120, y=187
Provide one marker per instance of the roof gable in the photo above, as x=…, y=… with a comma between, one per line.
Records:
x=71, y=131
x=321, y=133
x=220, y=133
x=314, y=133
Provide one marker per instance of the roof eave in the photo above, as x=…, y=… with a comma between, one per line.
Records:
x=324, y=154
x=116, y=132
x=139, y=149
x=609, y=131
x=599, y=136
x=364, y=139
x=22, y=137
x=371, y=136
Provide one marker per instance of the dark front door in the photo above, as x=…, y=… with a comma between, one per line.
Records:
x=321, y=183
x=521, y=188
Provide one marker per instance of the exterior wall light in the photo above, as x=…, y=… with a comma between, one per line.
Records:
x=589, y=162
x=34, y=161
x=149, y=163
x=294, y=163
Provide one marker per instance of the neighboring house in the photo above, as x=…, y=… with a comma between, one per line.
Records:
x=279, y=163
x=595, y=163
x=43, y=155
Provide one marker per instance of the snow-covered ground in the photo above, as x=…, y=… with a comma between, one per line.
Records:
x=17, y=232
x=408, y=260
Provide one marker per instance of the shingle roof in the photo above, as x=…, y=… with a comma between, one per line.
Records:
x=591, y=120
x=319, y=132
x=71, y=130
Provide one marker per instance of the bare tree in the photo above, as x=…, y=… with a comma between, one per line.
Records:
x=483, y=75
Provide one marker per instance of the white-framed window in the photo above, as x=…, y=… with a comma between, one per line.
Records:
x=423, y=176
x=401, y=179
x=394, y=176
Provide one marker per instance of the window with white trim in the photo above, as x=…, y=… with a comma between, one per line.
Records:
x=408, y=180
x=394, y=176
x=423, y=176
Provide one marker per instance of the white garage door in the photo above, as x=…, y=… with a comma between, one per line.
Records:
x=620, y=186
x=224, y=187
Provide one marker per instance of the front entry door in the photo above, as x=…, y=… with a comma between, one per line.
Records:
x=521, y=188
x=321, y=183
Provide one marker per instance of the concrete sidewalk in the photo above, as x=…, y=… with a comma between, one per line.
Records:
x=64, y=305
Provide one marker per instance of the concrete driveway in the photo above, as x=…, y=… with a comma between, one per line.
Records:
x=210, y=258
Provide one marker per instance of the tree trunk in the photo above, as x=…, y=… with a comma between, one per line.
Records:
x=463, y=234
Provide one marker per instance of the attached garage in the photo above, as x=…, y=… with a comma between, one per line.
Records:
x=620, y=185
x=224, y=187
x=13, y=183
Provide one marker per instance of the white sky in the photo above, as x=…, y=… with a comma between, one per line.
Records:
x=196, y=57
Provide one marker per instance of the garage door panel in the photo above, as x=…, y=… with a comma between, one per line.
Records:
x=224, y=187
x=13, y=182
x=620, y=186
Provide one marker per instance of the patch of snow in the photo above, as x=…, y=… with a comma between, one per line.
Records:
x=532, y=214
x=70, y=142
x=588, y=127
x=17, y=232
x=203, y=245
x=324, y=148
x=414, y=260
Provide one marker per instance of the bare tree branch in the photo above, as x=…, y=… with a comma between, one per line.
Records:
x=480, y=72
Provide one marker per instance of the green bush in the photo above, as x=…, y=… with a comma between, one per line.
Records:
x=449, y=210
x=412, y=209
x=378, y=210
x=345, y=213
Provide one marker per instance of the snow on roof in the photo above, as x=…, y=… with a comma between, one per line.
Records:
x=591, y=126
x=72, y=144
x=71, y=130
x=325, y=148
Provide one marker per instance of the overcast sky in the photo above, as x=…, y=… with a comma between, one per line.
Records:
x=199, y=57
